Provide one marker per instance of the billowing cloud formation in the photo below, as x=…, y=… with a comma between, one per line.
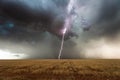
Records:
x=100, y=41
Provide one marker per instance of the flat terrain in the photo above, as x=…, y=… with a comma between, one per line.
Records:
x=84, y=69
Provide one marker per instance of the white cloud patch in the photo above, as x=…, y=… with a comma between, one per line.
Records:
x=4, y=54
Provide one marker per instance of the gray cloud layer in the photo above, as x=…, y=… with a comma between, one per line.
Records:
x=101, y=41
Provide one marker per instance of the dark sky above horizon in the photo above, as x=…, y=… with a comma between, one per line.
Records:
x=31, y=29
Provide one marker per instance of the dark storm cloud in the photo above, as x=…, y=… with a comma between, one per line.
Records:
x=102, y=40
x=30, y=15
x=47, y=14
x=110, y=9
x=108, y=23
x=34, y=11
x=25, y=10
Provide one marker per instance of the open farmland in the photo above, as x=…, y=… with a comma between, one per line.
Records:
x=84, y=69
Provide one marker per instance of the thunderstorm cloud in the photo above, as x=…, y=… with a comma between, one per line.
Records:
x=31, y=29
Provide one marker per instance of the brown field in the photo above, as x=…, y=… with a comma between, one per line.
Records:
x=60, y=69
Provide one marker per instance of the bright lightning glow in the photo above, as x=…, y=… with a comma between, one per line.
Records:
x=64, y=31
x=66, y=25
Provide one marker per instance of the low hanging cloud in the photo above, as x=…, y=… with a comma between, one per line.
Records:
x=101, y=48
x=100, y=41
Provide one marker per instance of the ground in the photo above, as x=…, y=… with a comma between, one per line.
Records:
x=83, y=69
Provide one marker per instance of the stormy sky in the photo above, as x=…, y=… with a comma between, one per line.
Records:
x=31, y=29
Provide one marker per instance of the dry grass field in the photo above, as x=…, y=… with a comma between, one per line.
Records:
x=60, y=69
